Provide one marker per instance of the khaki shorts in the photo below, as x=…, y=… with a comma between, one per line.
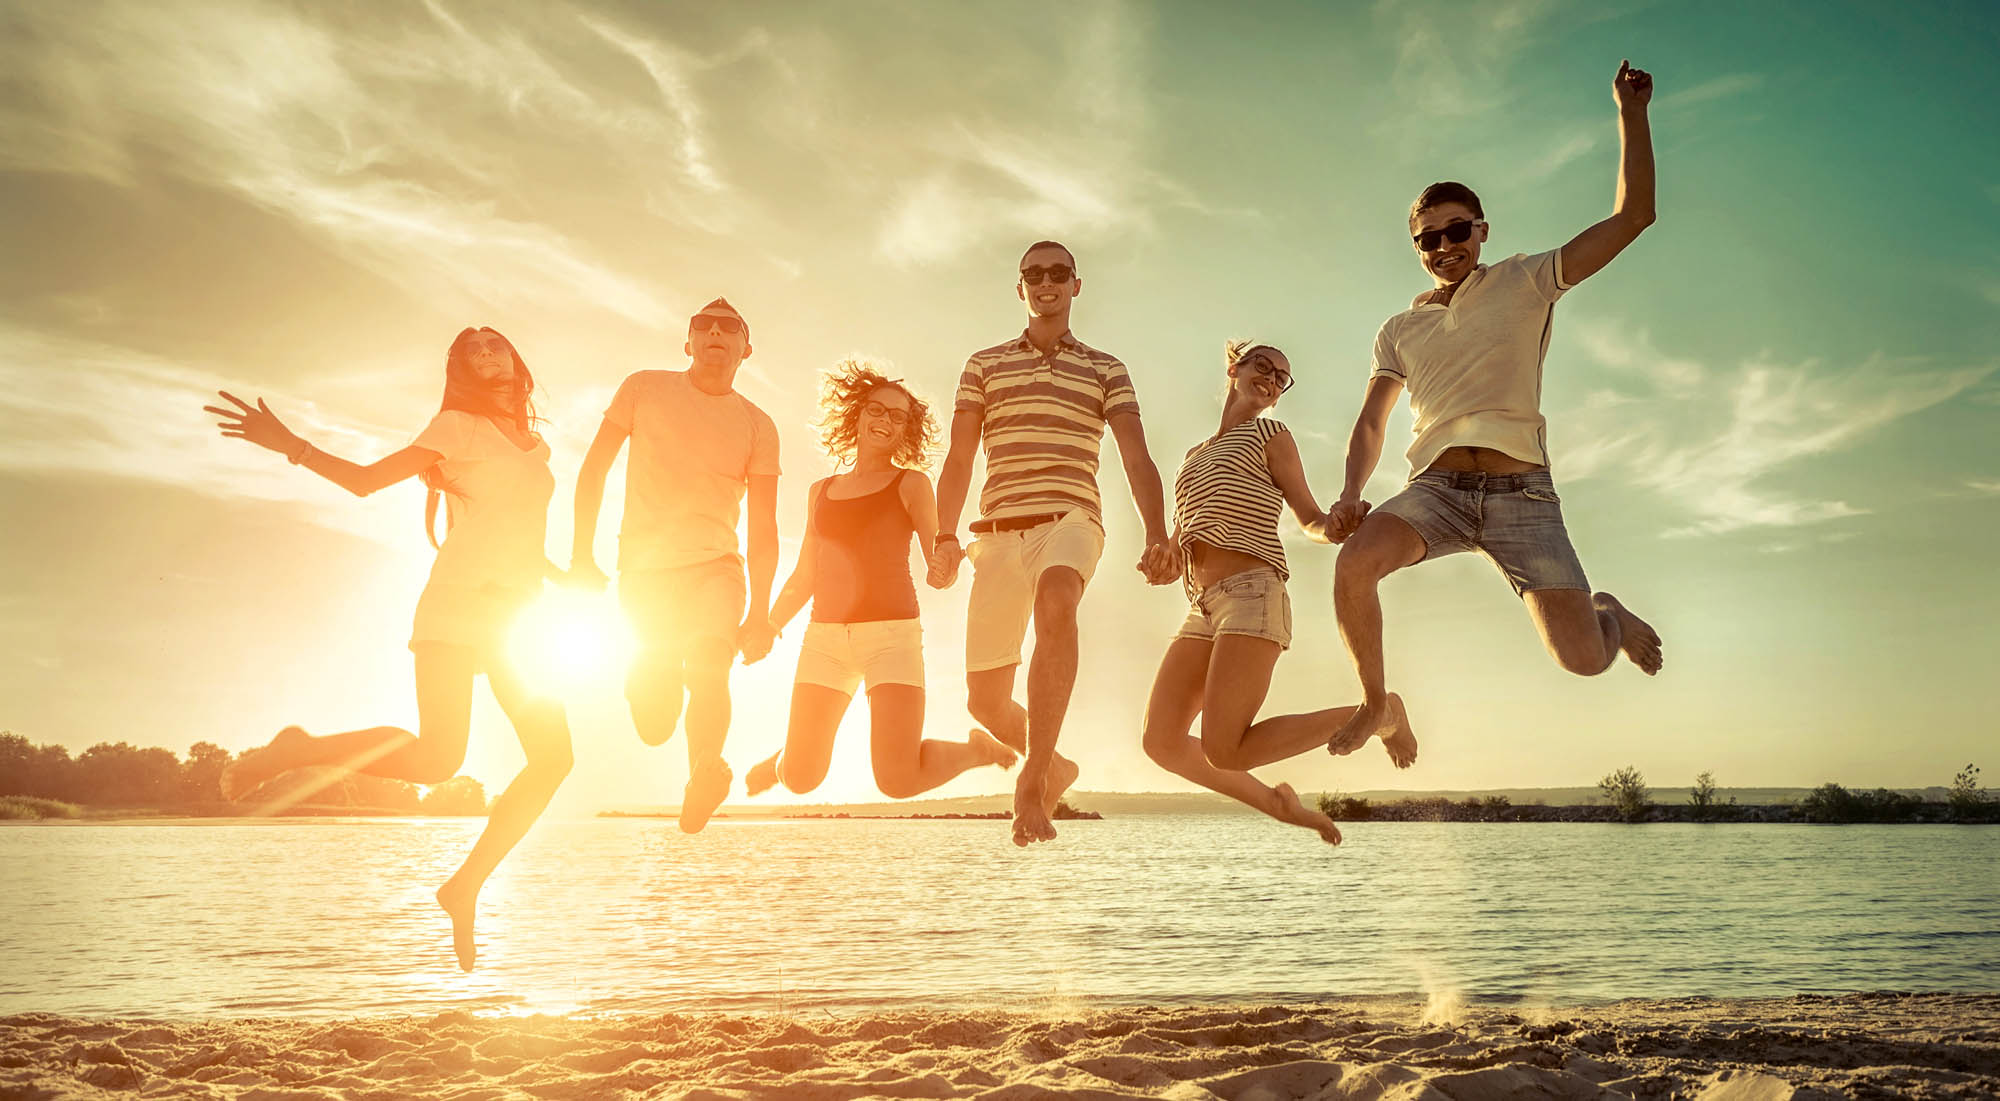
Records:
x=1253, y=603
x=462, y=615
x=672, y=610
x=1006, y=567
x=842, y=655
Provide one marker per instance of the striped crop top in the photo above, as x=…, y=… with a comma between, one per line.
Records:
x=1224, y=496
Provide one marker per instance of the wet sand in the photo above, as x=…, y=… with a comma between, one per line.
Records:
x=1808, y=1047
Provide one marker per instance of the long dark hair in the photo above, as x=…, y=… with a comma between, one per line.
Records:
x=466, y=392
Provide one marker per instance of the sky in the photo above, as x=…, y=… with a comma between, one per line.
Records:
x=1773, y=419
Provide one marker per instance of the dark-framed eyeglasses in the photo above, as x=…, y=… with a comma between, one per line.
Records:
x=1054, y=273
x=1263, y=365
x=1456, y=233
x=702, y=322
x=897, y=417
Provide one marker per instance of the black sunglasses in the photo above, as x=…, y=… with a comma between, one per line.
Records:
x=705, y=321
x=1054, y=273
x=1456, y=233
x=1270, y=370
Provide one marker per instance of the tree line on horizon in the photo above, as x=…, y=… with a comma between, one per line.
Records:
x=42, y=779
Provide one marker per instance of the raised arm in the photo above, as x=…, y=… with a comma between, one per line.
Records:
x=799, y=586
x=1288, y=471
x=1161, y=562
x=1364, y=450
x=257, y=424
x=1632, y=210
x=953, y=481
x=920, y=503
x=590, y=500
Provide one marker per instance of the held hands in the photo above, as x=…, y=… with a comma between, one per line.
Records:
x=754, y=638
x=1161, y=562
x=1345, y=516
x=1631, y=89
x=255, y=423
x=944, y=559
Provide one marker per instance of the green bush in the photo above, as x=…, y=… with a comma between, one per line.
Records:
x=1831, y=803
x=1344, y=808
x=1626, y=791
x=27, y=806
x=1968, y=801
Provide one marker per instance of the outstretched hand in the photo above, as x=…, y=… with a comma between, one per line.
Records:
x=1631, y=87
x=944, y=560
x=255, y=423
x=754, y=639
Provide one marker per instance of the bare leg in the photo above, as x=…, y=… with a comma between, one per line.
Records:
x=654, y=689
x=544, y=734
x=1181, y=690
x=444, y=677
x=802, y=764
x=708, y=664
x=1382, y=545
x=907, y=763
x=990, y=699
x=1051, y=676
x=1585, y=633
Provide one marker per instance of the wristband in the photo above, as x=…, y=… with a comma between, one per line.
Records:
x=303, y=453
x=943, y=537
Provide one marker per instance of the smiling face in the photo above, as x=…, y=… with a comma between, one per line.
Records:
x=1451, y=261
x=1049, y=297
x=710, y=343
x=1260, y=376
x=876, y=427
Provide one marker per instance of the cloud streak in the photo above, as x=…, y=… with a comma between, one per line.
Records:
x=1714, y=439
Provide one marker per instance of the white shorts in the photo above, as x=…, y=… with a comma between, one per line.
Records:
x=841, y=655
x=1006, y=567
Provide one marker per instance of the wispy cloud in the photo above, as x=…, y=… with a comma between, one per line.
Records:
x=1712, y=439
x=1983, y=485
x=1721, y=87
x=1449, y=55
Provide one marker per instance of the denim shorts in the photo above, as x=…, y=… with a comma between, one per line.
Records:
x=1253, y=602
x=1513, y=519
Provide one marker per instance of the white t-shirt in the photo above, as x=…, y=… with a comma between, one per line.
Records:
x=1474, y=367
x=497, y=497
x=693, y=454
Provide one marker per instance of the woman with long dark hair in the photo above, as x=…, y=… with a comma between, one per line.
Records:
x=1227, y=498
x=854, y=566
x=482, y=454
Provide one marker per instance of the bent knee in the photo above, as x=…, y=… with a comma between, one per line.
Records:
x=897, y=785
x=801, y=785
x=1583, y=660
x=1225, y=753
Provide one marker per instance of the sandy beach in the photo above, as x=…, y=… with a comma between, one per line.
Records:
x=1859, y=1046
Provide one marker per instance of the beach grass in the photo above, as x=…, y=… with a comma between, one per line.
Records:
x=18, y=807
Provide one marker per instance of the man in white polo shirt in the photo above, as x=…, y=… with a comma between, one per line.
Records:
x=1470, y=352
x=1038, y=404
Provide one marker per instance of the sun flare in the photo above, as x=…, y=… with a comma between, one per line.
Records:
x=567, y=640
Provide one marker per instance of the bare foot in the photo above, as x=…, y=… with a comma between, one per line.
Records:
x=1062, y=773
x=1290, y=809
x=704, y=793
x=459, y=905
x=1031, y=818
x=1368, y=721
x=1401, y=742
x=763, y=776
x=1636, y=637
x=260, y=766
x=990, y=749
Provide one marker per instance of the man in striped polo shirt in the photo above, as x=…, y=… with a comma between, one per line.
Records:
x=1038, y=405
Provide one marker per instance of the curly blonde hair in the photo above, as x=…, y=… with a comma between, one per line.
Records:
x=845, y=389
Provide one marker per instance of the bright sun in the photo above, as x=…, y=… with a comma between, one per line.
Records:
x=567, y=639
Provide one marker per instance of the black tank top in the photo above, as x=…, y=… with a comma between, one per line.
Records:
x=863, y=571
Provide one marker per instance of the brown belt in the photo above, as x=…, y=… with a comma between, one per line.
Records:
x=1014, y=523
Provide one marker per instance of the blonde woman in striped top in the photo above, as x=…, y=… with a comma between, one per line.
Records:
x=1227, y=497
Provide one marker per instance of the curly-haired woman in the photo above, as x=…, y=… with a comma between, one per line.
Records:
x=854, y=565
x=482, y=452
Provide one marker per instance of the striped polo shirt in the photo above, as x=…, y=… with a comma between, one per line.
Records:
x=1225, y=497
x=1042, y=420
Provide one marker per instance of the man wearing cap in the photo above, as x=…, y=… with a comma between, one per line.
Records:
x=698, y=447
x=1038, y=406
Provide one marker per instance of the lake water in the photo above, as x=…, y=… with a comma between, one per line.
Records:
x=335, y=917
